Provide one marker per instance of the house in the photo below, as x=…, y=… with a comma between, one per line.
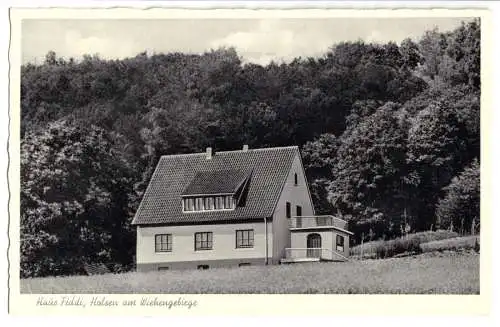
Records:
x=233, y=208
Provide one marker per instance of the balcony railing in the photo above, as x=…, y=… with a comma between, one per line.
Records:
x=302, y=254
x=317, y=221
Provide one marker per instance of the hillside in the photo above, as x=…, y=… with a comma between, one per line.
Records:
x=389, y=134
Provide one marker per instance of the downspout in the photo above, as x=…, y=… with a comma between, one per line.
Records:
x=265, y=229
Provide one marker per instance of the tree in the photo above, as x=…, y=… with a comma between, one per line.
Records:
x=410, y=54
x=463, y=55
x=432, y=46
x=74, y=193
x=318, y=157
x=437, y=143
x=368, y=172
x=459, y=209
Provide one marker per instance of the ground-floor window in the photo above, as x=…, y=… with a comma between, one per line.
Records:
x=163, y=243
x=244, y=238
x=162, y=268
x=340, y=243
x=243, y=264
x=202, y=267
x=203, y=241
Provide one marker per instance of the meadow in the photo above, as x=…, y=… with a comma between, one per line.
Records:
x=429, y=273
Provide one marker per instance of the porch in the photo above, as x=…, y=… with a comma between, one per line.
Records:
x=317, y=238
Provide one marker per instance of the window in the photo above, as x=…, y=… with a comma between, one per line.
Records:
x=340, y=243
x=202, y=267
x=203, y=241
x=244, y=264
x=288, y=210
x=163, y=243
x=219, y=203
x=199, y=205
x=296, y=179
x=208, y=203
x=228, y=202
x=244, y=238
x=298, y=210
x=162, y=268
x=188, y=204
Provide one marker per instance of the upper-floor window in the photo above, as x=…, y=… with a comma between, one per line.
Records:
x=206, y=203
x=288, y=210
x=244, y=238
x=203, y=241
x=215, y=190
x=298, y=211
x=295, y=179
x=163, y=242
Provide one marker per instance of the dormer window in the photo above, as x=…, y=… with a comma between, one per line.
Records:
x=208, y=203
x=215, y=190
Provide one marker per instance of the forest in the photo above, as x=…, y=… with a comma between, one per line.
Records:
x=389, y=135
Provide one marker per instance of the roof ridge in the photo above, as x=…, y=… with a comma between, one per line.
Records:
x=231, y=151
x=261, y=149
x=182, y=154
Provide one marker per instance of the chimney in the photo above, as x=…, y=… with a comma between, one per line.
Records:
x=209, y=153
x=245, y=147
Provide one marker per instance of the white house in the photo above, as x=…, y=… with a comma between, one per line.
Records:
x=233, y=208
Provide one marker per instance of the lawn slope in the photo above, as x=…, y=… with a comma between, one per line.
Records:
x=424, y=274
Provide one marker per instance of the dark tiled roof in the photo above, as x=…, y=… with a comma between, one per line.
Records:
x=216, y=182
x=162, y=200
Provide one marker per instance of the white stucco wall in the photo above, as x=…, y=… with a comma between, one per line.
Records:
x=296, y=195
x=328, y=239
x=224, y=243
x=299, y=239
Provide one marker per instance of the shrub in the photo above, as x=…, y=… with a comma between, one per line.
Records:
x=456, y=243
x=406, y=244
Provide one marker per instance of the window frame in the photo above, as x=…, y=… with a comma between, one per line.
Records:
x=340, y=244
x=219, y=203
x=208, y=241
x=208, y=203
x=168, y=243
x=298, y=211
x=250, y=240
x=228, y=202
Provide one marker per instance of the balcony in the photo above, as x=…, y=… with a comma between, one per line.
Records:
x=316, y=221
x=293, y=255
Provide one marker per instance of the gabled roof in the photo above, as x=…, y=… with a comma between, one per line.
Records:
x=217, y=182
x=174, y=175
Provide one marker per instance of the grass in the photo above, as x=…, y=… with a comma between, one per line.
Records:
x=452, y=244
x=445, y=274
x=407, y=244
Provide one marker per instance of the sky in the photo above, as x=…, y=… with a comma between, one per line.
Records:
x=256, y=40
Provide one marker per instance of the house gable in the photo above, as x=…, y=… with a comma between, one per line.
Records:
x=298, y=197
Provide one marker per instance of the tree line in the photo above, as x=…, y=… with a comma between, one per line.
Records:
x=389, y=134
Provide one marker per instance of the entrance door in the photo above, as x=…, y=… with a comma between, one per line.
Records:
x=313, y=245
